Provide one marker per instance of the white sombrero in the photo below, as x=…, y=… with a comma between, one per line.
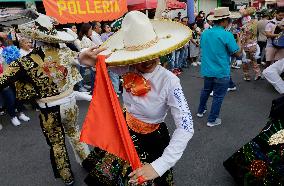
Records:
x=140, y=39
x=42, y=29
x=222, y=13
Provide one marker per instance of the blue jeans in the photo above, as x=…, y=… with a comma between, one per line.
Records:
x=172, y=60
x=231, y=83
x=184, y=57
x=115, y=81
x=177, y=58
x=219, y=86
x=92, y=76
x=9, y=98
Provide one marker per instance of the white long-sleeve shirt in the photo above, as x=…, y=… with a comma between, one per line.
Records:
x=96, y=38
x=166, y=93
x=24, y=52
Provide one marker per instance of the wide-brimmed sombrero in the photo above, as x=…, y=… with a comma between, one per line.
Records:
x=222, y=13
x=42, y=29
x=141, y=39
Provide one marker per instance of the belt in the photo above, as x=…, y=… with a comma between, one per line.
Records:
x=69, y=99
x=139, y=126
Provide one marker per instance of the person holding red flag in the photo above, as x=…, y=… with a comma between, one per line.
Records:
x=149, y=92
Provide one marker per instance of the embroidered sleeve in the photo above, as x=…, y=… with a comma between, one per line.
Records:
x=75, y=58
x=182, y=134
x=11, y=74
x=180, y=110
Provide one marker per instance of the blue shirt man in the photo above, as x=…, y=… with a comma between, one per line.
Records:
x=217, y=45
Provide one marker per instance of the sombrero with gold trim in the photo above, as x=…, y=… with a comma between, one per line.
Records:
x=42, y=29
x=141, y=39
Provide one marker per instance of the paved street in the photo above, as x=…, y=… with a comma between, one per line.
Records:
x=24, y=155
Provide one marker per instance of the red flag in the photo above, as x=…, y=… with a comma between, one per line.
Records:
x=105, y=126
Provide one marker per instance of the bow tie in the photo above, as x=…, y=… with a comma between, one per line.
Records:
x=136, y=84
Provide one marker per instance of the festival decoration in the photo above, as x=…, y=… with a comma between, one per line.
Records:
x=10, y=54
x=70, y=11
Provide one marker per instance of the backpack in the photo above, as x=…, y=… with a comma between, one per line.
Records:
x=278, y=42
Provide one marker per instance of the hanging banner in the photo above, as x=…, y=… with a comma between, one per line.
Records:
x=71, y=11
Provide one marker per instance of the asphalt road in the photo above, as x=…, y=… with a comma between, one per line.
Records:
x=24, y=155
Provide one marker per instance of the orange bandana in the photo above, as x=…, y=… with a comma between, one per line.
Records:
x=136, y=84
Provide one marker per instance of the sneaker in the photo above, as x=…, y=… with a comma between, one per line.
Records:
x=211, y=94
x=200, y=115
x=87, y=86
x=70, y=183
x=232, y=89
x=263, y=63
x=82, y=89
x=175, y=72
x=262, y=76
x=194, y=64
x=23, y=117
x=15, y=121
x=247, y=78
x=257, y=78
x=1, y=127
x=235, y=66
x=218, y=121
x=238, y=63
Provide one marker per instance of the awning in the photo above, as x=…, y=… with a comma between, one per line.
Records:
x=152, y=4
x=174, y=4
x=8, y=17
x=270, y=1
x=280, y=3
x=141, y=4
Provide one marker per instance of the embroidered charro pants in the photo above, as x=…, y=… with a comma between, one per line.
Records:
x=55, y=122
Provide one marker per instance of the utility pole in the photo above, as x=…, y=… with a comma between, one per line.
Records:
x=190, y=11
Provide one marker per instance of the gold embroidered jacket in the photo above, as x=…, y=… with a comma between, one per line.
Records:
x=45, y=72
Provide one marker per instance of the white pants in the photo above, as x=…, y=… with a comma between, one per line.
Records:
x=272, y=74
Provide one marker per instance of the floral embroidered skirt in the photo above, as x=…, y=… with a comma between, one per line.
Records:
x=261, y=161
x=106, y=169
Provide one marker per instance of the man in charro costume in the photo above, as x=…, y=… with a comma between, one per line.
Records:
x=48, y=75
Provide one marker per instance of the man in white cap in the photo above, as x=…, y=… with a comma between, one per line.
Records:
x=217, y=46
